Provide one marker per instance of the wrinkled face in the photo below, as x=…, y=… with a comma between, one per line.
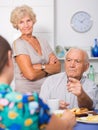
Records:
x=75, y=64
x=25, y=25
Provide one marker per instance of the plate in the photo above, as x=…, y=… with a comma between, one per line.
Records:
x=92, y=119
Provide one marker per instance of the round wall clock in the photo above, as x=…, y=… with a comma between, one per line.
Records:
x=81, y=21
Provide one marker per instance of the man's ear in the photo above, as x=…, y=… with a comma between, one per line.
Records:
x=9, y=56
x=86, y=67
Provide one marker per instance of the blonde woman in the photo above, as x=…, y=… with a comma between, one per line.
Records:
x=34, y=59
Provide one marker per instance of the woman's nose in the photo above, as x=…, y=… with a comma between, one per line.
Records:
x=25, y=24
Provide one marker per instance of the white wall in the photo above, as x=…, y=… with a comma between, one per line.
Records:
x=65, y=35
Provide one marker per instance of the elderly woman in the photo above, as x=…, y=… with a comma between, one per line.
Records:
x=34, y=59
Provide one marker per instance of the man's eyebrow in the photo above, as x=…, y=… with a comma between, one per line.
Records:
x=73, y=59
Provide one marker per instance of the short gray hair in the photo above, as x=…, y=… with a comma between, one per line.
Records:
x=86, y=57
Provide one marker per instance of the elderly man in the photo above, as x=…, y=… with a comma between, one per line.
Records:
x=71, y=87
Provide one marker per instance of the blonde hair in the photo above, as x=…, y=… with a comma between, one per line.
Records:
x=19, y=12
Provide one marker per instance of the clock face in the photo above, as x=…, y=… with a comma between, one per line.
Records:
x=81, y=22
